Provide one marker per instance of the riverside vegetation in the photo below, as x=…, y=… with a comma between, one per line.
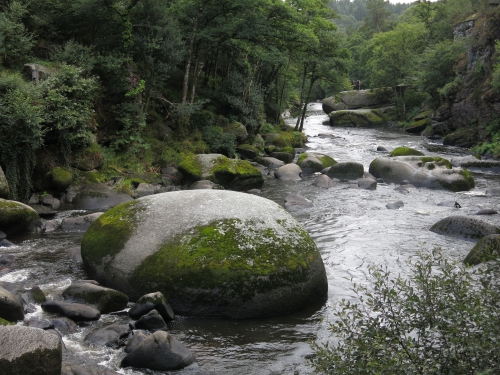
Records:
x=94, y=91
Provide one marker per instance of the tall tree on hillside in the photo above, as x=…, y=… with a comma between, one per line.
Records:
x=377, y=15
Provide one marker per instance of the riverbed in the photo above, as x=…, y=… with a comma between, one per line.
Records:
x=351, y=227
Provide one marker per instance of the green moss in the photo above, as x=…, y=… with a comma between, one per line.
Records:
x=419, y=123
x=302, y=157
x=462, y=185
x=237, y=257
x=486, y=249
x=109, y=232
x=223, y=165
x=289, y=149
x=437, y=160
x=4, y=322
x=405, y=151
x=191, y=167
x=327, y=161
x=61, y=178
x=13, y=214
x=91, y=177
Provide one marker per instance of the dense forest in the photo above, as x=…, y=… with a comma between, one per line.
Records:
x=144, y=83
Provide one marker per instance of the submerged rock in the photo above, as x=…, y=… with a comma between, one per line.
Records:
x=429, y=172
x=161, y=352
x=295, y=202
x=29, y=351
x=395, y=205
x=207, y=255
x=106, y=300
x=98, y=197
x=464, y=227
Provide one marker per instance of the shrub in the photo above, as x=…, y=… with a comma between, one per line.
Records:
x=443, y=319
x=220, y=142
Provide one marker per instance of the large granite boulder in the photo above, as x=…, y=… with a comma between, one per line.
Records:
x=248, y=151
x=288, y=172
x=487, y=248
x=4, y=185
x=230, y=173
x=161, y=352
x=464, y=227
x=355, y=99
x=207, y=255
x=98, y=197
x=429, y=172
x=106, y=300
x=311, y=162
x=59, y=178
x=358, y=118
x=29, y=351
x=17, y=217
x=11, y=306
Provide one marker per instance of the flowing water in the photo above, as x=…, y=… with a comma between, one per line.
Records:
x=351, y=227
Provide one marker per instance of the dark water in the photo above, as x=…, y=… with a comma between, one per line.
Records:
x=351, y=227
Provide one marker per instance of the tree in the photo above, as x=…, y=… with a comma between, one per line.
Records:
x=377, y=15
x=442, y=319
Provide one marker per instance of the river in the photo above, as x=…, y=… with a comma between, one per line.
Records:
x=351, y=227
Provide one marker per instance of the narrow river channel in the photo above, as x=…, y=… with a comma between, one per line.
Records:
x=351, y=227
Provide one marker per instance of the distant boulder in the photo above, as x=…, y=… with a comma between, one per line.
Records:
x=464, y=227
x=4, y=186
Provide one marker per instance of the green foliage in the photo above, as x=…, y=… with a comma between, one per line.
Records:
x=15, y=41
x=495, y=77
x=267, y=128
x=68, y=103
x=22, y=132
x=220, y=142
x=73, y=53
x=451, y=89
x=492, y=130
x=442, y=319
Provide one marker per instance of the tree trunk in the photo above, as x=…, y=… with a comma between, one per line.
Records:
x=301, y=96
x=188, y=60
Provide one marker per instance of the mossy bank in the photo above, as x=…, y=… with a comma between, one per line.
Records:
x=211, y=253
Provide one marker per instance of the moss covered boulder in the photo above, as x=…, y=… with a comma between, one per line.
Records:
x=405, y=151
x=4, y=185
x=487, y=248
x=421, y=171
x=59, y=178
x=355, y=99
x=464, y=227
x=238, y=130
x=248, y=151
x=232, y=174
x=98, y=197
x=89, y=158
x=16, y=217
x=358, y=118
x=346, y=171
x=106, y=300
x=419, y=123
x=206, y=254
x=311, y=162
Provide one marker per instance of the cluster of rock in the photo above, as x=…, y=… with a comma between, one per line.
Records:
x=36, y=347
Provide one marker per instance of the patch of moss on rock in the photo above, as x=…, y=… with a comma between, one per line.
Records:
x=109, y=232
x=405, y=151
x=436, y=160
x=191, y=168
x=4, y=322
x=60, y=178
x=315, y=161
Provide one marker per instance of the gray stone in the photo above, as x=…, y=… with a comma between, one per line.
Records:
x=323, y=181
x=346, y=171
x=74, y=311
x=145, y=189
x=269, y=162
x=294, y=202
x=464, y=227
x=152, y=321
x=248, y=151
x=40, y=323
x=367, y=184
x=111, y=336
x=160, y=352
x=358, y=118
x=381, y=149
x=99, y=197
x=395, y=205
x=43, y=211
x=486, y=211
x=152, y=301
x=131, y=253
x=75, y=254
x=106, y=300
x=49, y=200
x=79, y=223
x=495, y=192
x=285, y=157
x=7, y=260
x=33, y=295
x=402, y=190
x=29, y=351
x=11, y=306
x=421, y=172
x=311, y=162
x=135, y=340
x=486, y=249
x=50, y=226
x=288, y=172
x=2, y=235
x=64, y=325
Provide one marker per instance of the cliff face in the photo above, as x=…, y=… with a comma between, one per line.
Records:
x=463, y=120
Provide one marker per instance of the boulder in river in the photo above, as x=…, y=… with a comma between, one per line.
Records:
x=4, y=185
x=16, y=217
x=294, y=202
x=248, y=151
x=152, y=321
x=59, y=178
x=285, y=157
x=79, y=223
x=11, y=306
x=346, y=171
x=355, y=99
x=230, y=173
x=288, y=172
x=205, y=184
x=75, y=311
x=152, y=301
x=112, y=335
x=311, y=162
x=106, y=300
x=421, y=171
x=269, y=162
x=323, y=181
x=160, y=352
x=206, y=254
x=98, y=196
x=487, y=248
x=464, y=227
x=29, y=351
x=395, y=205
x=358, y=118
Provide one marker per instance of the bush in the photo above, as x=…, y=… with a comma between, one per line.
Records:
x=219, y=142
x=443, y=319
